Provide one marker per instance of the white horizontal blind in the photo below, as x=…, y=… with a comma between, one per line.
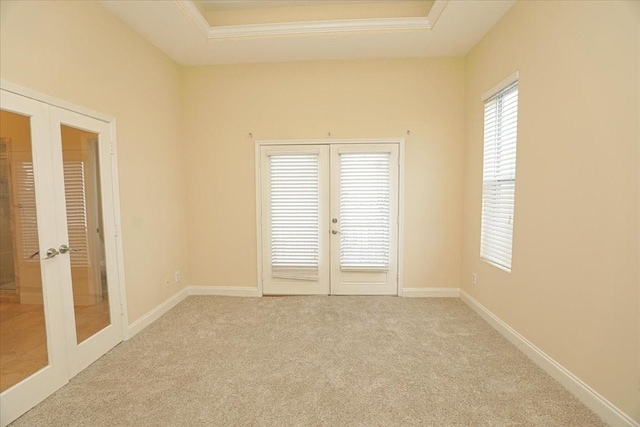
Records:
x=364, y=210
x=76, y=202
x=26, y=204
x=499, y=175
x=294, y=210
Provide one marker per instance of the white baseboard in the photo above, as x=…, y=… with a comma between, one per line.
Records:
x=431, y=292
x=592, y=399
x=228, y=291
x=156, y=313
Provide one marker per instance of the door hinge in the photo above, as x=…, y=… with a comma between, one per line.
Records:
x=121, y=310
x=112, y=149
x=117, y=230
x=398, y=277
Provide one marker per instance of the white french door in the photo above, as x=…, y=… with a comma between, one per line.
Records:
x=63, y=311
x=329, y=219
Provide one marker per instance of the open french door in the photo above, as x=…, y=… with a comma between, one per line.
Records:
x=329, y=219
x=63, y=312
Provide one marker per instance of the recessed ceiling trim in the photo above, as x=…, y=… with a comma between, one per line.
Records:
x=312, y=27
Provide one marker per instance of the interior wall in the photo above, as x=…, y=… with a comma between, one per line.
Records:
x=79, y=52
x=573, y=289
x=349, y=99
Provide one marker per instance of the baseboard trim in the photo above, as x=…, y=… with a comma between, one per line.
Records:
x=431, y=292
x=156, y=313
x=591, y=398
x=228, y=291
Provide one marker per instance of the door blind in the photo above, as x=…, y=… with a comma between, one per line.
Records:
x=364, y=210
x=499, y=176
x=26, y=203
x=76, y=202
x=294, y=209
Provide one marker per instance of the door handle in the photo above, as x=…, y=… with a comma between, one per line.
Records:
x=334, y=231
x=51, y=253
x=64, y=249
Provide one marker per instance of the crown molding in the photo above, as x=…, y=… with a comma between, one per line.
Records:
x=311, y=27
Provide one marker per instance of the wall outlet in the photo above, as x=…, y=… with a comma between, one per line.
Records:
x=474, y=278
x=176, y=276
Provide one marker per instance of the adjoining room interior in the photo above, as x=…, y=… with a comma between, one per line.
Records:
x=166, y=141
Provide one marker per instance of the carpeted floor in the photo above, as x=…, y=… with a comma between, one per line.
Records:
x=314, y=361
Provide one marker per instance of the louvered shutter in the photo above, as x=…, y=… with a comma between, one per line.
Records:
x=499, y=175
x=76, y=202
x=364, y=210
x=22, y=173
x=294, y=211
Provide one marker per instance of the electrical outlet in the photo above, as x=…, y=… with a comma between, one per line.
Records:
x=474, y=278
x=177, y=276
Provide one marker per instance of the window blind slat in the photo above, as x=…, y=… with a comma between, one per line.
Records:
x=499, y=171
x=26, y=201
x=76, y=202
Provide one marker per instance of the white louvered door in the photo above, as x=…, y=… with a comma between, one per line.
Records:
x=329, y=219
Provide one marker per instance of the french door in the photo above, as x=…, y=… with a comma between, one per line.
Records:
x=329, y=219
x=62, y=311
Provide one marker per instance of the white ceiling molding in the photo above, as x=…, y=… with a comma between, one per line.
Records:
x=183, y=35
x=311, y=27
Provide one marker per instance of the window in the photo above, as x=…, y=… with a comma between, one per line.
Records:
x=364, y=210
x=294, y=205
x=499, y=173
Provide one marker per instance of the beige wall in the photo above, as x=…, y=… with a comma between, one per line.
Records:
x=79, y=52
x=573, y=289
x=352, y=99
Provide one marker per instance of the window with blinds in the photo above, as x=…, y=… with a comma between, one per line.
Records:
x=76, y=202
x=499, y=175
x=364, y=210
x=294, y=210
x=26, y=203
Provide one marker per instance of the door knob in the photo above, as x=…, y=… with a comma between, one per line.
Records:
x=64, y=249
x=334, y=231
x=51, y=253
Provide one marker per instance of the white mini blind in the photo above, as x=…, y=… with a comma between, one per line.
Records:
x=294, y=210
x=499, y=175
x=26, y=203
x=76, y=202
x=364, y=210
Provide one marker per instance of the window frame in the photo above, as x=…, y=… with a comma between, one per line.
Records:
x=501, y=183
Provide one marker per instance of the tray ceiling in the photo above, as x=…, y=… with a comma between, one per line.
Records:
x=180, y=28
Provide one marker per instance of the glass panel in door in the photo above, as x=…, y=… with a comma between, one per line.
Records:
x=81, y=163
x=23, y=335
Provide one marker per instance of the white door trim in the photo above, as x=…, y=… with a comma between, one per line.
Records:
x=56, y=102
x=260, y=143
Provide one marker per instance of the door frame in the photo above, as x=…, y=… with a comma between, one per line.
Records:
x=262, y=143
x=115, y=184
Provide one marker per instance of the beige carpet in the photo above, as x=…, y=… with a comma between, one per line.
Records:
x=314, y=361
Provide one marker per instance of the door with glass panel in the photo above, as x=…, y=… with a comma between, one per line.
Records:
x=81, y=149
x=329, y=219
x=59, y=306
x=32, y=342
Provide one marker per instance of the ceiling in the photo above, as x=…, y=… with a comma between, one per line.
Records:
x=179, y=28
x=254, y=4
